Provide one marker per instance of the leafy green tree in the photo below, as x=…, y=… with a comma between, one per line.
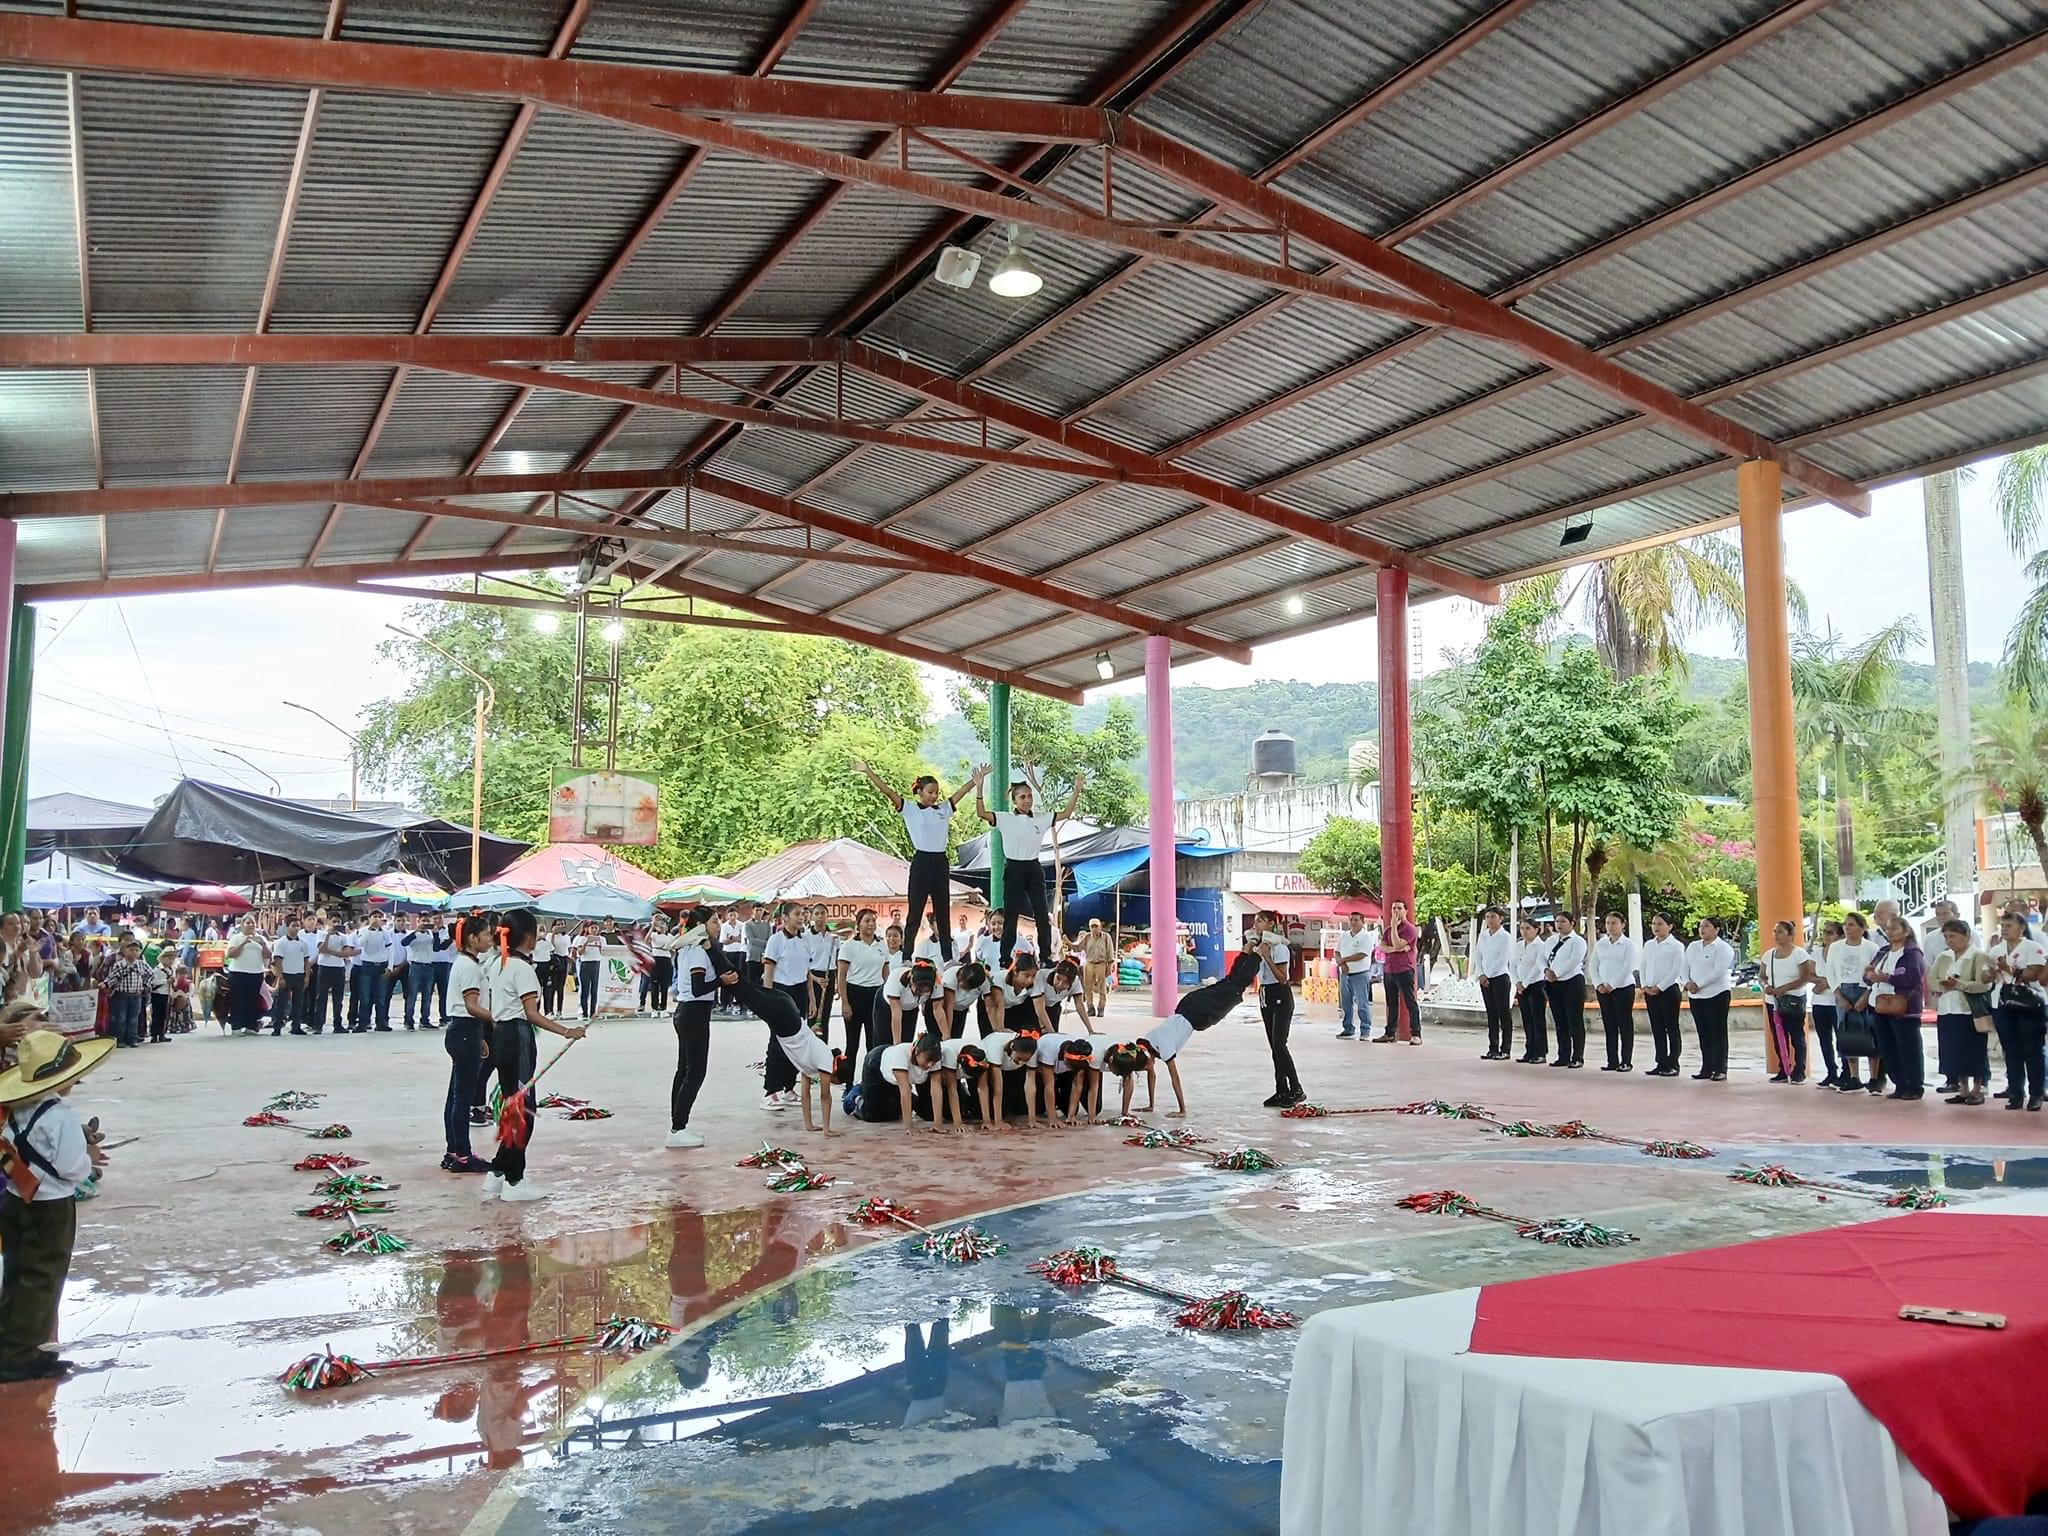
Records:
x=1043, y=734
x=1719, y=899
x=1847, y=713
x=2021, y=497
x=1344, y=858
x=1446, y=893
x=2009, y=756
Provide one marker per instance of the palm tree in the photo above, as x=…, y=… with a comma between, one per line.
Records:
x=2009, y=756
x=1644, y=603
x=1843, y=695
x=2022, y=501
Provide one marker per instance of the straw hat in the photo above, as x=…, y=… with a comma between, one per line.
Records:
x=47, y=1061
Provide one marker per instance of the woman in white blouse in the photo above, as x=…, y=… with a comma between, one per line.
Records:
x=1708, y=962
x=1854, y=1025
x=862, y=961
x=1787, y=973
x=1663, y=972
x=1532, y=956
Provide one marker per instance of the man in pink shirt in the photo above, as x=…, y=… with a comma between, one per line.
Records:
x=1398, y=945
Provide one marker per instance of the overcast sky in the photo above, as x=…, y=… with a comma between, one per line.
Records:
x=129, y=695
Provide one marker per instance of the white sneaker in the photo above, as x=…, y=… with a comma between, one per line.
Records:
x=494, y=1187
x=774, y=1101
x=683, y=1138
x=523, y=1191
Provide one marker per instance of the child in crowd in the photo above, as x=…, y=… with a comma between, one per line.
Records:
x=47, y=1157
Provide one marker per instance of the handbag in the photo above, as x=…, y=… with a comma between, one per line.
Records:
x=1890, y=1004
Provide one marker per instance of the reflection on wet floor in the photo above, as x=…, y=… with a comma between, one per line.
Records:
x=824, y=1378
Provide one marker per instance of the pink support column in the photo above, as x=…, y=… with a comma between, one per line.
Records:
x=1159, y=819
x=1397, y=789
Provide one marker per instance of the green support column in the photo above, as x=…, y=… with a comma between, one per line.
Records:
x=21, y=669
x=997, y=789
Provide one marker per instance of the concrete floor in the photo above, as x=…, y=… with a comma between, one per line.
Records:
x=827, y=1377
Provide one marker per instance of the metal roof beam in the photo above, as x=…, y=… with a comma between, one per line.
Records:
x=266, y=493
x=1141, y=466
x=542, y=605
x=260, y=349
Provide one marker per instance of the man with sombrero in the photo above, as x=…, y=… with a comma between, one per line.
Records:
x=46, y=1157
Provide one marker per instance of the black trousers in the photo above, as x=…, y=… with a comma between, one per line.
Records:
x=1662, y=1007
x=1824, y=1036
x=37, y=1236
x=659, y=980
x=861, y=1020
x=778, y=1072
x=160, y=1016
x=288, y=1003
x=1568, y=1014
x=1535, y=1028
x=1905, y=1053
x=693, y=1056
x=1276, y=1008
x=1710, y=1023
x=1401, y=994
x=441, y=971
x=512, y=1054
x=553, y=974
x=1500, y=1027
x=586, y=987
x=1790, y=1038
x=2020, y=1038
x=464, y=1044
x=1618, y=1024
x=329, y=983
x=930, y=885
x=1023, y=891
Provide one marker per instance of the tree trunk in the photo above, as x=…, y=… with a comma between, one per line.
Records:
x=1845, y=829
x=1578, y=867
x=2034, y=831
x=1549, y=860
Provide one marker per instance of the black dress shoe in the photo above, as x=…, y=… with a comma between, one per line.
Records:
x=1912, y=1098
x=2034, y=1102
x=2013, y=1102
x=1718, y=1077
x=1896, y=1093
x=1626, y=1066
x=1798, y=1077
x=1779, y=1077
x=1701, y=1076
x=1560, y=1062
x=1277, y=1101
x=1576, y=1065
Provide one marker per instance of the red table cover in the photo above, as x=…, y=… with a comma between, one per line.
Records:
x=1965, y=1405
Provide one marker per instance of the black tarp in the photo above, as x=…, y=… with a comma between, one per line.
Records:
x=214, y=834
x=81, y=824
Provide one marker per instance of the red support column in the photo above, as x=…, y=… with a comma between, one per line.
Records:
x=1397, y=791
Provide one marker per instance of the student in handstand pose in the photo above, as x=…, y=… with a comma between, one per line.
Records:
x=1197, y=1010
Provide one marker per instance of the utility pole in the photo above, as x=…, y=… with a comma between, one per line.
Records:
x=353, y=803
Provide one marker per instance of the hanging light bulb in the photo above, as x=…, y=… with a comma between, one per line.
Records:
x=1014, y=276
x=1294, y=606
x=614, y=632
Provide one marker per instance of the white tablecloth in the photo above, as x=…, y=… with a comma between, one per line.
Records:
x=1393, y=1430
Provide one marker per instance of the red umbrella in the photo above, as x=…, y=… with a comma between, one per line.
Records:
x=207, y=900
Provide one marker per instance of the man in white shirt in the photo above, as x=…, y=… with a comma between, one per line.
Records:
x=1614, y=983
x=1532, y=959
x=373, y=978
x=732, y=938
x=412, y=952
x=290, y=1004
x=1356, y=946
x=330, y=976
x=1708, y=964
x=1661, y=966
x=1564, y=977
x=1019, y=835
x=1493, y=962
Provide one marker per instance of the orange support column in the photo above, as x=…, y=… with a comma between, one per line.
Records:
x=1773, y=755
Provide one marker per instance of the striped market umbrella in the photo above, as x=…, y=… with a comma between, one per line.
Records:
x=399, y=889
x=702, y=891
x=491, y=896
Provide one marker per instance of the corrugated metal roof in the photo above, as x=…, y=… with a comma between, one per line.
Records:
x=184, y=183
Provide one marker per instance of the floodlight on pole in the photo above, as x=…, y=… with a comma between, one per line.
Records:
x=353, y=744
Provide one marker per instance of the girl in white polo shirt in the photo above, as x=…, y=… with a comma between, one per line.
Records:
x=1165, y=1040
x=928, y=820
x=1070, y=1078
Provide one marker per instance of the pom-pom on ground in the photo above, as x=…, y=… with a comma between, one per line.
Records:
x=881, y=1211
x=321, y=1372
x=588, y=1112
x=371, y=1240
x=341, y=1210
x=266, y=1117
x=771, y=1157
x=1230, y=1311
x=1919, y=1198
x=1174, y=1140
x=797, y=1179
x=1570, y=1232
x=293, y=1098
x=324, y=1162
x=963, y=1245
x=1437, y=1202
x=1770, y=1176
x=352, y=1186
x=1684, y=1149
x=1076, y=1266
x=1303, y=1112
x=1245, y=1160
x=335, y=1132
x=562, y=1101
x=629, y=1335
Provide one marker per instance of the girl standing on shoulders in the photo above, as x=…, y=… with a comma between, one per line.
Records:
x=515, y=1008
x=928, y=819
x=470, y=982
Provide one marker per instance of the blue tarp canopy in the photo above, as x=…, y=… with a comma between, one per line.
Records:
x=1108, y=871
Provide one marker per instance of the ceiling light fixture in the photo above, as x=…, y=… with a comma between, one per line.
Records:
x=957, y=267
x=1014, y=276
x=1104, y=667
x=1576, y=533
x=1294, y=605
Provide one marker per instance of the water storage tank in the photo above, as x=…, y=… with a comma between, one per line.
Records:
x=1273, y=756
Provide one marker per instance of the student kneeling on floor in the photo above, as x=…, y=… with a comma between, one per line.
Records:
x=47, y=1156
x=893, y=1079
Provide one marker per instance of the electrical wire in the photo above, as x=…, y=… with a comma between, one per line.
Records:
x=121, y=611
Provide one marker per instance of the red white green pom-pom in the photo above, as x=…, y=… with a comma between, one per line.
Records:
x=1438, y=1202
x=1770, y=1176
x=293, y=1098
x=1176, y=1140
x=881, y=1211
x=1570, y=1232
x=1575, y=1130
x=1685, y=1149
x=341, y=1210
x=797, y=1179
x=1444, y=1109
x=326, y=1162
x=562, y=1101
x=588, y=1112
x=1527, y=1128
x=1244, y=1160
x=352, y=1186
x=771, y=1157
x=1129, y=1123
x=335, y=1132
x=963, y=1245
x=317, y=1373
x=364, y=1240
x=1076, y=1266
x=1918, y=1198
x=1229, y=1311
x=1303, y=1112
x=266, y=1117
x=629, y=1335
